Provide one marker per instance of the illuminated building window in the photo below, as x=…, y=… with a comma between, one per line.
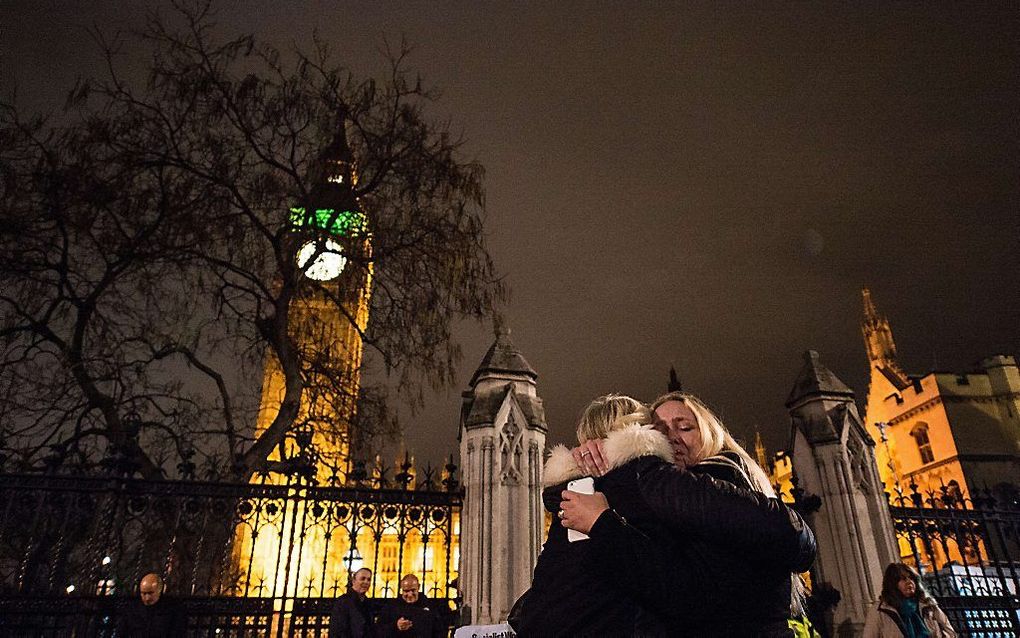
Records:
x=426, y=555
x=920, y=434
x=106, y=587
x=389, y=559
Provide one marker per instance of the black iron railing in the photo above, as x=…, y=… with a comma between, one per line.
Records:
x=967, y=550
x=247, y=559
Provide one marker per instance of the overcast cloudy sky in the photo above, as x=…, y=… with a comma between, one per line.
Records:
x=706, y=185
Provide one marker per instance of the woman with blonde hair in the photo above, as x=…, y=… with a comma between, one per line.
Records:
x=571, y=593
x=712, y=442
x=738, y=547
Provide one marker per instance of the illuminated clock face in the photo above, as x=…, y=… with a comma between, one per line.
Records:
x=328, y=265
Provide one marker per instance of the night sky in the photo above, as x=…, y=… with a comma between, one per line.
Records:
x=705, y=186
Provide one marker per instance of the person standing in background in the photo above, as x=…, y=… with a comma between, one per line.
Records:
x=152, y=615
x=905, y=608
x=351, y=616
x=412, y=615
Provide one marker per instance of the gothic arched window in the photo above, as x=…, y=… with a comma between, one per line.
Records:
x=920, y=434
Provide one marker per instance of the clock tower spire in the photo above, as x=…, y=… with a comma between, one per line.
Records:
x=878, y=341
x=331, y=248
x=331, y=245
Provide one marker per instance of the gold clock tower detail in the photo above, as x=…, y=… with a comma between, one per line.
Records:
x=329, y=239
x=327, y=317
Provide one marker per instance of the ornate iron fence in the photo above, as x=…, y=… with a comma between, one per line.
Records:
x=968, y=553
x=242, y=559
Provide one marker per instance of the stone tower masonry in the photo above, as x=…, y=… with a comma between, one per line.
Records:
x=834, y=458
x=502, y=440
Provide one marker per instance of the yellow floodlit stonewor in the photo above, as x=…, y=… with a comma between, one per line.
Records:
x=303, y=544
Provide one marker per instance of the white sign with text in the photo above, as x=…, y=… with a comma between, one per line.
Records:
x=501, y=630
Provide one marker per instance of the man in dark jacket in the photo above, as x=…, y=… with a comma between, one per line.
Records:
x=351, y=616
x=151, y=615
x=412, y=615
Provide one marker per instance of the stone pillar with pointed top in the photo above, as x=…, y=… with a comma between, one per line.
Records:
x=502, y=439
x=834, y=458
x=674, y=384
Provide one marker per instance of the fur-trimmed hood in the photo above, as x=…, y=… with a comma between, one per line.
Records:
x=621, y=447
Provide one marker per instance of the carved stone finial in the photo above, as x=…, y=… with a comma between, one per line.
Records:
x=674, y=384
x=870, y=313
x=499, y=326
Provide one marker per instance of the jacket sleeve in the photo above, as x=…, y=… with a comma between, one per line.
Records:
x=180, y=621
x=871, y=624
x=754, y=525
x=551, y=497
x=943, y=622
x=625, y=553
x=439, y=628
x=338, y=622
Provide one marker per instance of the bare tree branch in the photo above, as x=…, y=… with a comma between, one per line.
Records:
x=149, y=246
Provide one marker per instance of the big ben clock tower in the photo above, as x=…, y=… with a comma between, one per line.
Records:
x=331, y=245
x=331, y=248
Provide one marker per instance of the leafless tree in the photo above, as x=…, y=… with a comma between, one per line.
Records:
x=148, y=259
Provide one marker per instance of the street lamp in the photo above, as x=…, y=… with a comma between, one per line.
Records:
x=353, y=559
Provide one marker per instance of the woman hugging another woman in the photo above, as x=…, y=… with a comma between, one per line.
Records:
x=574, y=593
x=686, y=535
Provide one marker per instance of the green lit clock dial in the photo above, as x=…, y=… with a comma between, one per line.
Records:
x=329, y=263
x=343, y=223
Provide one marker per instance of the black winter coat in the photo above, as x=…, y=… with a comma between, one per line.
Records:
x=351, y=617
x=728, y=574
x=423, y=614
x=573, y=592
x=165, y=619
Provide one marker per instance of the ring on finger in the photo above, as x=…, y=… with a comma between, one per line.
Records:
x=560, y=513
x=585, y=453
